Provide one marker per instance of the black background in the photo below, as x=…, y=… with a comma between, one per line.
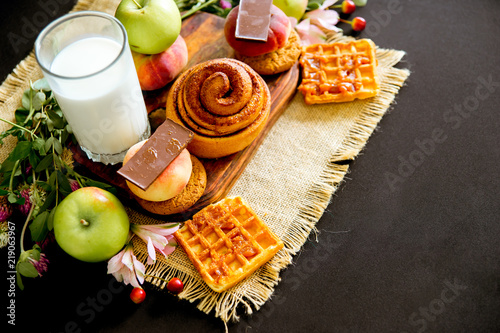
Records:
x=401, y=248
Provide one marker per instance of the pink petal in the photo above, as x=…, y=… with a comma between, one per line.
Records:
x=127, y=258
x=115, y=263
x=161, y=229
x=139, y=270
x=327, y=4
x=325, y=18
x=310, y=34
x=129, y=278
x=151, y=252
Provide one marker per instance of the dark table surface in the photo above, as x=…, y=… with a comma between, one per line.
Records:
x=410, y=241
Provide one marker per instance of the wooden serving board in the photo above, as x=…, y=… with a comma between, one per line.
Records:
x=204, y=36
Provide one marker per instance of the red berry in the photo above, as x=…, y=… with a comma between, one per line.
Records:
x=348, y=6
x=175, y=286
x=358, y=23
x=137, y=295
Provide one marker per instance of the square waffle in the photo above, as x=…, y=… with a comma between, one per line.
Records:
x=339, y=72
x=227, y=242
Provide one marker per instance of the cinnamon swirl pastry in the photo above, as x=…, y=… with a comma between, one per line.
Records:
x=224, y=102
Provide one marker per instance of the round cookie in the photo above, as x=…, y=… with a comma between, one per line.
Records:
x=188, y=196
x=277, y=61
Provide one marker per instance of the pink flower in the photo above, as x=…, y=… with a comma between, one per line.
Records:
x=125, y=267
x=225, y=4
x=74, y=185
x=324, y=18
x=47, y=242
x=41, y=264
x=5, y=209
x=309, y=33
x=25, y=208
x=158, y=236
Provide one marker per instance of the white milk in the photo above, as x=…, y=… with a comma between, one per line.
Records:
x=106, y=110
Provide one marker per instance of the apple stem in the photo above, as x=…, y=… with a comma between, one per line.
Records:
x=83, y=222
x=140, y=7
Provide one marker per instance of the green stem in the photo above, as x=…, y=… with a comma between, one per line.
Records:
x=195, y=9
x=20, y=127
x=25, y=226
x=11, y=181
x=140, y=7
x=156, y=277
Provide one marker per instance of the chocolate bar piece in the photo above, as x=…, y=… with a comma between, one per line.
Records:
x=156, y=154
x=254, y=17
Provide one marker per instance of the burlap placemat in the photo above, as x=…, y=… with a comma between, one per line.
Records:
x=289, y=181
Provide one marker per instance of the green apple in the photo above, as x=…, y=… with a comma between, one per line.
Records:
x=91, y=224
x=152, y=25
x=293, y=8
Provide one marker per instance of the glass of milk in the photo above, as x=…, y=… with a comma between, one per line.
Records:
x=86, y=59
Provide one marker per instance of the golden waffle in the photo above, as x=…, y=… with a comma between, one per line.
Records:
x=227, y=242
x=339, y=72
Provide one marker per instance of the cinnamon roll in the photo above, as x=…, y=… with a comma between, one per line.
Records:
x=224, y=102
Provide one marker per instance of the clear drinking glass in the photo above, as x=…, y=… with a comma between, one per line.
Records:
x=86, y=59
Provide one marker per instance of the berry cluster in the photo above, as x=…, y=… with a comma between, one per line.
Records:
x=348, y=7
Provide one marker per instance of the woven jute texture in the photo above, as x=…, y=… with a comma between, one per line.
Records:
x=288, y=183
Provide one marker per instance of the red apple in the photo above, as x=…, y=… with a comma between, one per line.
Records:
x=169, y=183
x=279, y=31
x=156, y=70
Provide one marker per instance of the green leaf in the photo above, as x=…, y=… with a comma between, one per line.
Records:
x=27, y=269
x=19, y=279
x=7, y=166
x=12, y=197
x=63, y=182
x=58, y=146
x=35, y=252
x=48, y=143
x=95, y=183
x=26, y=99
x=314, y=4
x=5, y=177
x=21, y=151
x=39, y=228
x=38, y=143
x=50, y=221
x=57, y=120
x=64, y=135
x=45, y=163
x=34, y=159
x=52, y=178
x=3, y=192
x=48, y=201
x=57, y=161
x=21, y=115
x=38, y=100
x=41, y=84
